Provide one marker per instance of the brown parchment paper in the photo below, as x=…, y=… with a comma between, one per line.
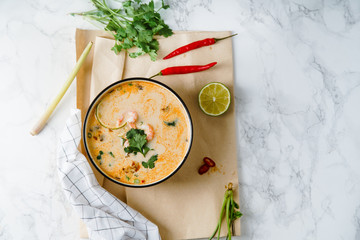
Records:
x=187, y=205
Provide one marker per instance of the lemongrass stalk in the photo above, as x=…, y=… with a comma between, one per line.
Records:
x=42, y=121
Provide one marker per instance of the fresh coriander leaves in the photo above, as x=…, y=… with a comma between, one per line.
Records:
x=98, y=157
x=151, y=162
x=137, y=142
x=173, y=123
x=133, y=25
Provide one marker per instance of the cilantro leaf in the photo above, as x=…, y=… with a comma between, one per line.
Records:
x=116, y=48
x=153, y=158
x=151, y=162
x=164, y=6
x=236, y=215
x=153, y=55
x=136, y=54
x=151, y=5
x=145, y=150
x=170, y=123
x=151, y=165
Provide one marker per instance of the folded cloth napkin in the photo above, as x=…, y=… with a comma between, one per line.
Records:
x=106, y=216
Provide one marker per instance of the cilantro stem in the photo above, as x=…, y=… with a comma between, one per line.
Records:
x=159, y=9
x=101, y=6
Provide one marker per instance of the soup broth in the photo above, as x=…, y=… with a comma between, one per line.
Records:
x=138, y=133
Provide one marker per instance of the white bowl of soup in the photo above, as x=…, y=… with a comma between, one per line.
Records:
x=137, y=132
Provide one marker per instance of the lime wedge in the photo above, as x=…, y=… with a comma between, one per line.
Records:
x=214, y=99
x=98, y=118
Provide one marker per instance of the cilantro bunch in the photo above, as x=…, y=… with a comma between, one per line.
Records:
x=133, y=25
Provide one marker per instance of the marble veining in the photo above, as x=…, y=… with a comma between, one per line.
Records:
x=297, y=94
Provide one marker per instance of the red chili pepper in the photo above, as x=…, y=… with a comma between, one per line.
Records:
x=184, y=69
x=195, y=45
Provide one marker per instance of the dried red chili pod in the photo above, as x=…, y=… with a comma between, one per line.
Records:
x=209, y=162
x=203, y=169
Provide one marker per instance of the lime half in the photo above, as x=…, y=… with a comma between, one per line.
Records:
x=98, y=118
x=214, y=99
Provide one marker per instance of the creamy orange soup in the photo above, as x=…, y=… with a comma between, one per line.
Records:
x=138, y=133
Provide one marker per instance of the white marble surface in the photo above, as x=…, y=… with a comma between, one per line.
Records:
x=297, y=69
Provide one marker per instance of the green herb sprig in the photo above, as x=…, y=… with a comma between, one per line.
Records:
x=133, y=25
x=137, y=142
x=173, y=123
x=99, y=156
x=229, y=208
x=151, y=162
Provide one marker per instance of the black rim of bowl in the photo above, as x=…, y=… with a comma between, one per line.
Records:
x=90, y=110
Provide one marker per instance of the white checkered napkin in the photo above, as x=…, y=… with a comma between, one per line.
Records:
x=106, y=217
